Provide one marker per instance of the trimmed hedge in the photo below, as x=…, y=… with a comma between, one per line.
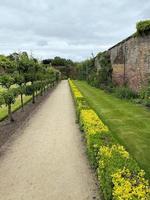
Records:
x=119, y=175
x=80, y=101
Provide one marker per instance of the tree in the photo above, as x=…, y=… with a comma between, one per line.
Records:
x=7, y=65
x=6, y=81
x=9, y=97
x=19, y=80
x=23, y=75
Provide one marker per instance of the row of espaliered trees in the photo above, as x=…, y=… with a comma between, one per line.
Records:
x=21, y=75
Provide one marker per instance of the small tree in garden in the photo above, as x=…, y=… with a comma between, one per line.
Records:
x=41, y=78
x=23, y=75
x=6, y=81
x=27, y=68
x=32, y=76
x=19, y=80
x=9, y=97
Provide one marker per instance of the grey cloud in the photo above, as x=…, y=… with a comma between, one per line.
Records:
x=73, y=29
x=42, y=43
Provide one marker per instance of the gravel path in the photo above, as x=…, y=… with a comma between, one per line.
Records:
x=46, y=159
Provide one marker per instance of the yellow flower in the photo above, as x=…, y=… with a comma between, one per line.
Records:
x=76, y=92
x=91, y=122
x=106, y=151
x=128, y=186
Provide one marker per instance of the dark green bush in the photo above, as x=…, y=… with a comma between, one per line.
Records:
x=125, y=93
x=145, y=93
x=108, y=88
x=137, y=101
x=146, y=102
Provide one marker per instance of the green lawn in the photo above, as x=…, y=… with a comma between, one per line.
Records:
x=128, y=122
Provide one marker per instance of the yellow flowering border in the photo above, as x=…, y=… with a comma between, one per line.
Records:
x=91, y=122
x=77, y=94
x=119, y=175
x=78, y=98
x=129, y=186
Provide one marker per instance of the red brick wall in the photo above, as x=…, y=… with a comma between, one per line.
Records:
x=131, y=62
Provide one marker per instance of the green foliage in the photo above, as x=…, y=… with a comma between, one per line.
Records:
x=65, y=66
x=21, y=75
x=118, y=173
x=1, y=100
x=145, y=93
x=125, y=93
x=143, y=27
x=112, y=159
x=86, y=70
x=18, y=79
x=6, y=81
x=9, y=96
x=6, y=64
x=146, y=102
x=145, y=96
x=105, y=71
x=80, y=101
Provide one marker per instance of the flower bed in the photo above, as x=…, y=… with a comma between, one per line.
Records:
x=78, y=98
x=119, y=175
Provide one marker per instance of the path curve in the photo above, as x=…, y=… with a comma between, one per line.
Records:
x=47, y=161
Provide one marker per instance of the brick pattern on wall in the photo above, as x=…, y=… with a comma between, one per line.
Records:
x=130, y=60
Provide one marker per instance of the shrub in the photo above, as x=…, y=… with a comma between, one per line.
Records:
x=96, y=133
x=125, y=93
x=112, y=159
x=145, y=96
x=137, y=101
x=146, y=102
x=108, y=88
x=145, y=93
x=143, y=27
x=79, y=99
x=128, y=185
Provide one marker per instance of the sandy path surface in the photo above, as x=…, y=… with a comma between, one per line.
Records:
x=46, y=160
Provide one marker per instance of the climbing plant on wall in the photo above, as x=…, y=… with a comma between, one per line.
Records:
x=105, y=71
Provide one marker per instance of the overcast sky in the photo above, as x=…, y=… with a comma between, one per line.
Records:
x=67, y=28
